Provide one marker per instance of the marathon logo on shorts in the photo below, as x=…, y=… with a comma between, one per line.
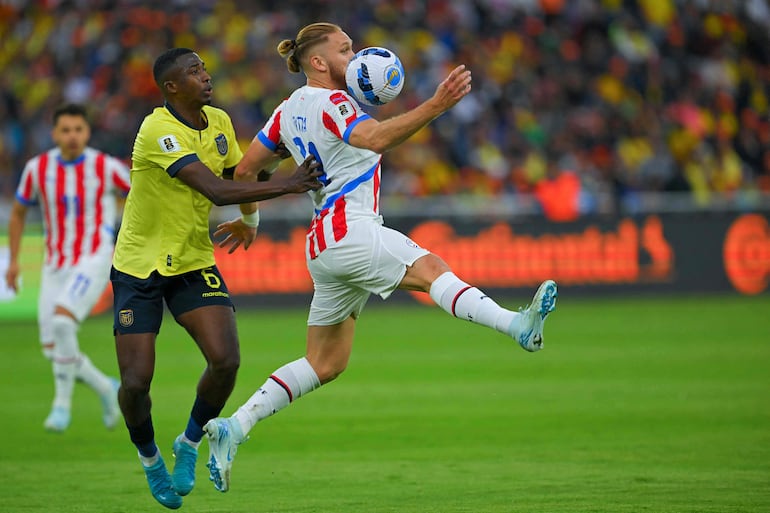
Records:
x=169, y=144
x=217, y=293
x=221, y=141
x=126, y=318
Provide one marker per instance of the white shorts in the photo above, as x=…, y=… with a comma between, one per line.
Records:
x=371, y=259
x=76, y=288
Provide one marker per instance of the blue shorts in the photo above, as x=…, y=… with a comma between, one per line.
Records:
x=138, y=303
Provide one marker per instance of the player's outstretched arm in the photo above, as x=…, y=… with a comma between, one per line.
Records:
x=228, y=192
x=380, y=136
x=243, y=231
x=238, y=232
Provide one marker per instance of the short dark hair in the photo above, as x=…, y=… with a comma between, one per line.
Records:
x=165, y=62
x=70, y=109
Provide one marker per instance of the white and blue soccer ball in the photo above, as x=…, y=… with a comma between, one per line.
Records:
x=375, y=76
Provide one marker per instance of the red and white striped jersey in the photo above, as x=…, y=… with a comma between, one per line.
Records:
x=77, y=200
x=318, y=122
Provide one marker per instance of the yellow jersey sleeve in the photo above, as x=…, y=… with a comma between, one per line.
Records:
x=165, y=224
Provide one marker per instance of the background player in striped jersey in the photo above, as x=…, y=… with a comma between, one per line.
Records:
x=76, y=188
x=164, y=254
x=350, y=254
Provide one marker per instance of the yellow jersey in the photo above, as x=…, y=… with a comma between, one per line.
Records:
x=165, y=224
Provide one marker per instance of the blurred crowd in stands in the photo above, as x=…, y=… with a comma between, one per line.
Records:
x=571, y=99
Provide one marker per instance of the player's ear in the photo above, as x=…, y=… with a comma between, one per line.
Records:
x=318, y=63
x=169, y=86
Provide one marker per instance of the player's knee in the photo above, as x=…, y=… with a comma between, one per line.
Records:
x=225, y=368
x=329, y=371
x=423, y=272
x=64, y=329
x=134, y=387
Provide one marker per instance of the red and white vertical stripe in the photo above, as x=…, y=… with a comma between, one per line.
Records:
x=330, y=225
x=77, y=200
x=327, y=228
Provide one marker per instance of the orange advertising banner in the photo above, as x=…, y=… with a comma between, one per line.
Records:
x=666, y=253
x=672, y=253
x=747, y=254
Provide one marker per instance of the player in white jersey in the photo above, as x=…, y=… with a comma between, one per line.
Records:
x=76, y=188
x=350, y=254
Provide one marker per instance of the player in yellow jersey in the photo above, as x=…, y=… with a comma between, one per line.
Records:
x=164, y=253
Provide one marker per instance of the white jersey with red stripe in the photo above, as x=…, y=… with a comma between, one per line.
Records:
x=318, y=122
x=77, y=200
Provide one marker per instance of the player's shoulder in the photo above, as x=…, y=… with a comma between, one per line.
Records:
x=329, y=96
x=215, y=115
x=40, y=157
x=337, y=96
x=343, y=107
x=113, y=161
x=91, y=153
x=157, y=122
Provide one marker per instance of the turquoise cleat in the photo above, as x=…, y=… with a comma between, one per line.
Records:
x=530, y=335
x=224, y=437
x=183, y=476
x=160, y=485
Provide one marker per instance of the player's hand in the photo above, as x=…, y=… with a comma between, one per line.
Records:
x=454, y=87
x=12, y=276
x=305, y=177
x=236, y=235
x=281, y=151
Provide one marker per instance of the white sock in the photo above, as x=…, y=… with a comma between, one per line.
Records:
x=466, y=302
x=189, y=442
x=152, y=460
x=65, y=358
x=87, y=372
x=285, y=385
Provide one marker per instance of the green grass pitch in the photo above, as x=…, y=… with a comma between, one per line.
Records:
x=635, y=405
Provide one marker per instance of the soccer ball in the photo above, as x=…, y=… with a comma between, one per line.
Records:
x=374, y=76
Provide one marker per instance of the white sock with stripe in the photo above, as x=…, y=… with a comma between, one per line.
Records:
x=467, y=302
x=284, y=386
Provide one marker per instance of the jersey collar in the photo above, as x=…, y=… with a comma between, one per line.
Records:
x=183, y=120
x=72, y=162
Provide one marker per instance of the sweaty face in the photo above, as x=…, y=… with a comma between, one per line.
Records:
x=71, y=134
x=192, y=81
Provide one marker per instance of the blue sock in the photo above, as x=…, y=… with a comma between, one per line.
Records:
x=201, y=413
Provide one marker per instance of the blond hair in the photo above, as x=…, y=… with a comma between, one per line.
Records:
x=294, y=50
